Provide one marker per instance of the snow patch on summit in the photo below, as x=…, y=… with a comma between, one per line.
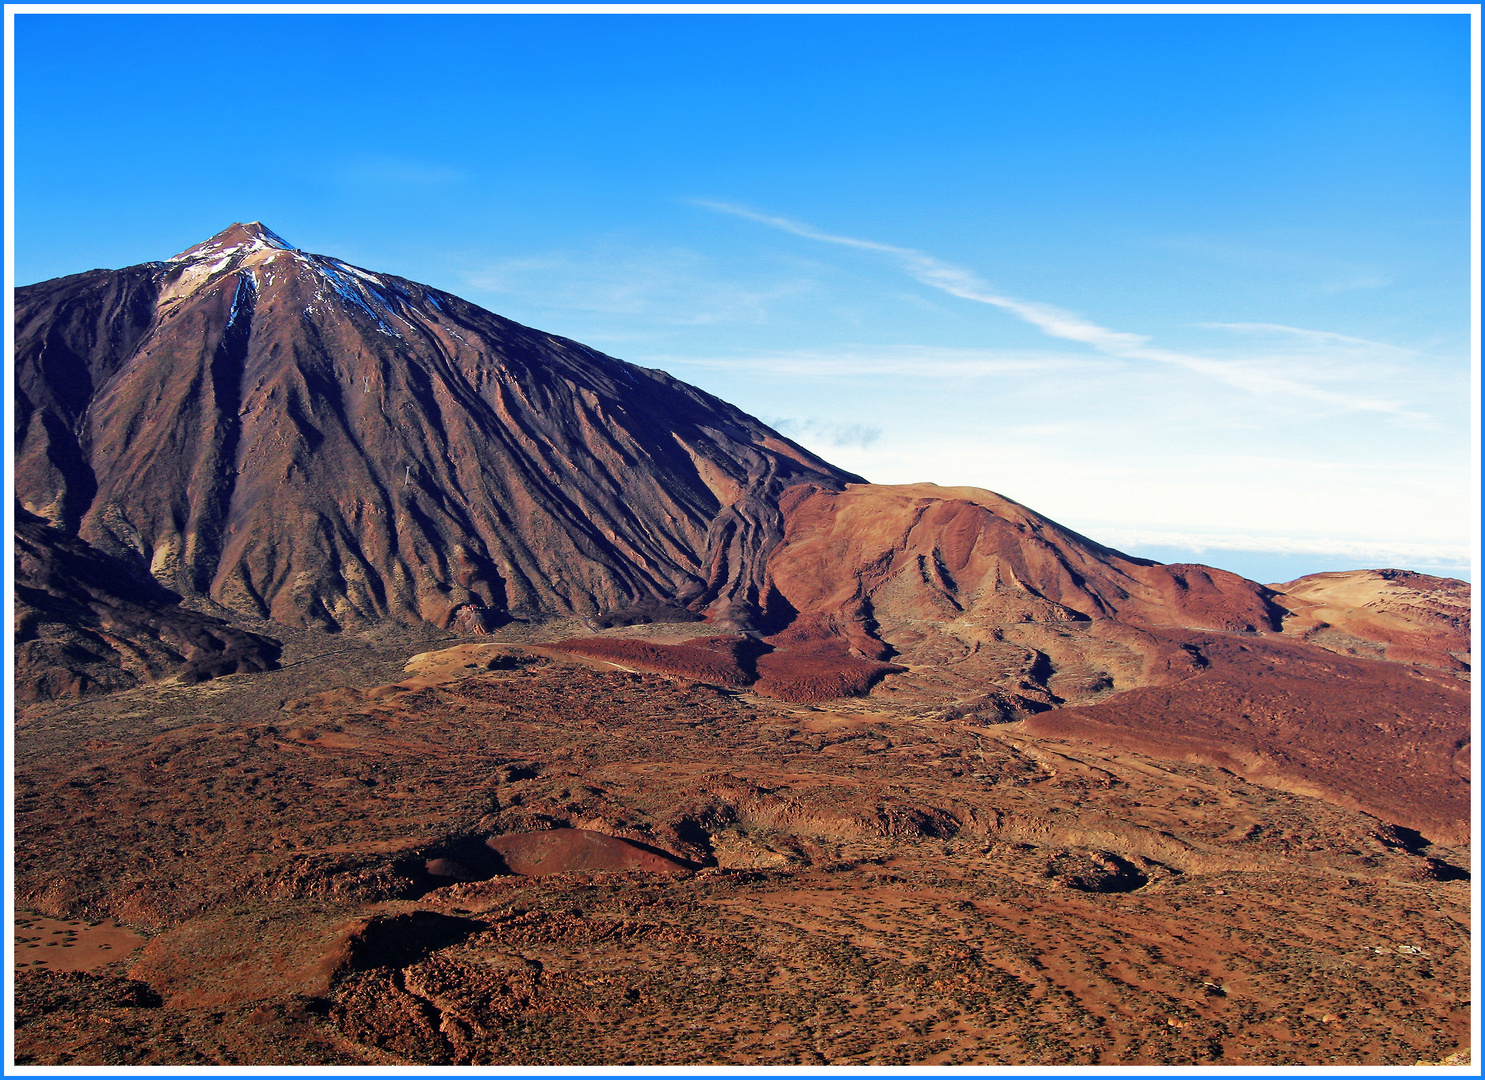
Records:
x=259, y=255
x=360, y=288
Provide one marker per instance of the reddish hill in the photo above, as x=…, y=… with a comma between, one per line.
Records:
x=961, y=585
x=927, y=551
x=966, y=585
x=1387, y=614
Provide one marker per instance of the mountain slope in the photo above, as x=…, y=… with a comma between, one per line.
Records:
x=298, y=439
x=966, y=553
x=85, y=624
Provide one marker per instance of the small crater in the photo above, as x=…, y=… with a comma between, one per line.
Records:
x=1094, y=871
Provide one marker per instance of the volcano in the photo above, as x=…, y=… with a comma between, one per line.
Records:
x=269, y=434
x=294, y=438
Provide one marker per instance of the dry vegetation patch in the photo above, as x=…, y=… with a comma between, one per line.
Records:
x=876, y=885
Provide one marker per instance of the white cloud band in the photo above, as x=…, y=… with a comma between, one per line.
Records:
x=1382, y=552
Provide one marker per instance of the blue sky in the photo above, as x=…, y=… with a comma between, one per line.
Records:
x=1196, y=286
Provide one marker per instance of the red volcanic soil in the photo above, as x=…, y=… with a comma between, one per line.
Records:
x=878, y=885
x=564, y=851
x=1378, y=737
x=720, y=660
x=817, y=670
x=795, y=666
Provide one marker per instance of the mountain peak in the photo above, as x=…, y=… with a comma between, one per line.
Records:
x=239, y=236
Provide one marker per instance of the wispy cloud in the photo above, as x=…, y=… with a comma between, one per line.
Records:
x=1313, y=337
x=1317, y=274
x=1321, y=354
x=908, y=361
x=1249, y=376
